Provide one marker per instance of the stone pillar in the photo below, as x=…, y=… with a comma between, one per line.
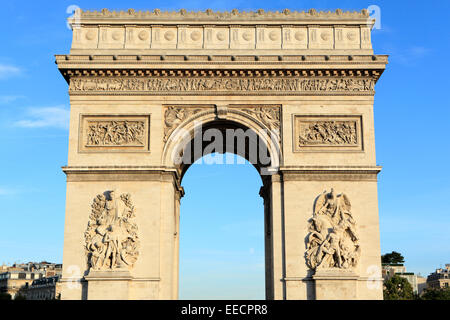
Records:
x=168, y=239
x=277, y=237
x=268, y=249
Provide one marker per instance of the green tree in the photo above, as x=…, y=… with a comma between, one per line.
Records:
x=397, y=288
x=392, y=258
x=436, y=294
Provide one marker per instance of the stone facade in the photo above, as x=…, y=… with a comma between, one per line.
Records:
x=440, y=278
x=16, y=280
x=140, y=86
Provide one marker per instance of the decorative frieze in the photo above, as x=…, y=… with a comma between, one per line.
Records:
x=111, y=238
x=340, y=133
x=332, y=242
x=114, y=133
x=234, y=14
x=211, y=85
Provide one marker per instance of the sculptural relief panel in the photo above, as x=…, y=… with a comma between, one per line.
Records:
x=327, y=133
x=175, y=115
x=120, y=133
x=111, y=237
x=332, y=242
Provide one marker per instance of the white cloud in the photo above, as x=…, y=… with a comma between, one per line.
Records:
x=6, y=191
x=7, y=71
x=409, y=55
x=54, y=117
x=9, y=99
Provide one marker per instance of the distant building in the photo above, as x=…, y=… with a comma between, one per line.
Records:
x=421, y=284
x=43, y=289
x=16, y=279
x=440, y=278
x=417, y=282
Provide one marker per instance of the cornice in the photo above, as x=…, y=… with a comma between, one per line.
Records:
x=209, y=16
x=330, y=173
x=221, y=66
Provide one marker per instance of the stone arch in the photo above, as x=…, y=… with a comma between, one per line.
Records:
x=321, y=86
x=184, y=133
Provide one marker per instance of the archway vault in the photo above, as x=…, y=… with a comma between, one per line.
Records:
x=236, y=127
x=296, y=89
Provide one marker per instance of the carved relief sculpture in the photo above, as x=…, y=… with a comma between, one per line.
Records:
x=328, y=133
x=111, y=237
x=119, y=133
x=219, y=85
x=173, y=116
x=332, y=242
x=269, y=116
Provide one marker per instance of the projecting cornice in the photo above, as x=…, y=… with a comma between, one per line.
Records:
x=233, y=15
x=221, y=66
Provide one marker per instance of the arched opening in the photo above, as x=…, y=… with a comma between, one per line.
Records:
x=221, y=145
x=222, y=231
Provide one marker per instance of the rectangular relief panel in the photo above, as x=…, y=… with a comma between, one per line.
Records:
x=331, y=133
x=114, y=133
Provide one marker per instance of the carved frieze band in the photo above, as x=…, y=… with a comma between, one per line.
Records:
x=222, y=85
x=114, y=133
x=341, y=133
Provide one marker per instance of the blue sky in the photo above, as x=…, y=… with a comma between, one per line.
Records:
x=412, y=135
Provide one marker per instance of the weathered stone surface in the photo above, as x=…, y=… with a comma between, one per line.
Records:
x=299, y=83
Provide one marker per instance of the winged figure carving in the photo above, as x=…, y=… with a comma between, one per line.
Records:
x=332, y=241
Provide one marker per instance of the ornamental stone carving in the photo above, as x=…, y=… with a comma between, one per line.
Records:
x=111, y=239
x=268, y=115
x=174, y=115
x=211, y=85
x=234, y=14
x=114, y=133
x=332, y=242
x=328, y=133
x=119, y=133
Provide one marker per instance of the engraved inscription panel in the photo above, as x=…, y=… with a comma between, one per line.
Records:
x=333, y=133
x=114, y=133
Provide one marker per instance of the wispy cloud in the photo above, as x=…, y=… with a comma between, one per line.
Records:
x=7, y=191
x=9, y=99
x=52, y=117
x=409, y=55
x=8, y=71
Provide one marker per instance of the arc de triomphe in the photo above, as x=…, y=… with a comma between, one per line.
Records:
x=145, y=87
